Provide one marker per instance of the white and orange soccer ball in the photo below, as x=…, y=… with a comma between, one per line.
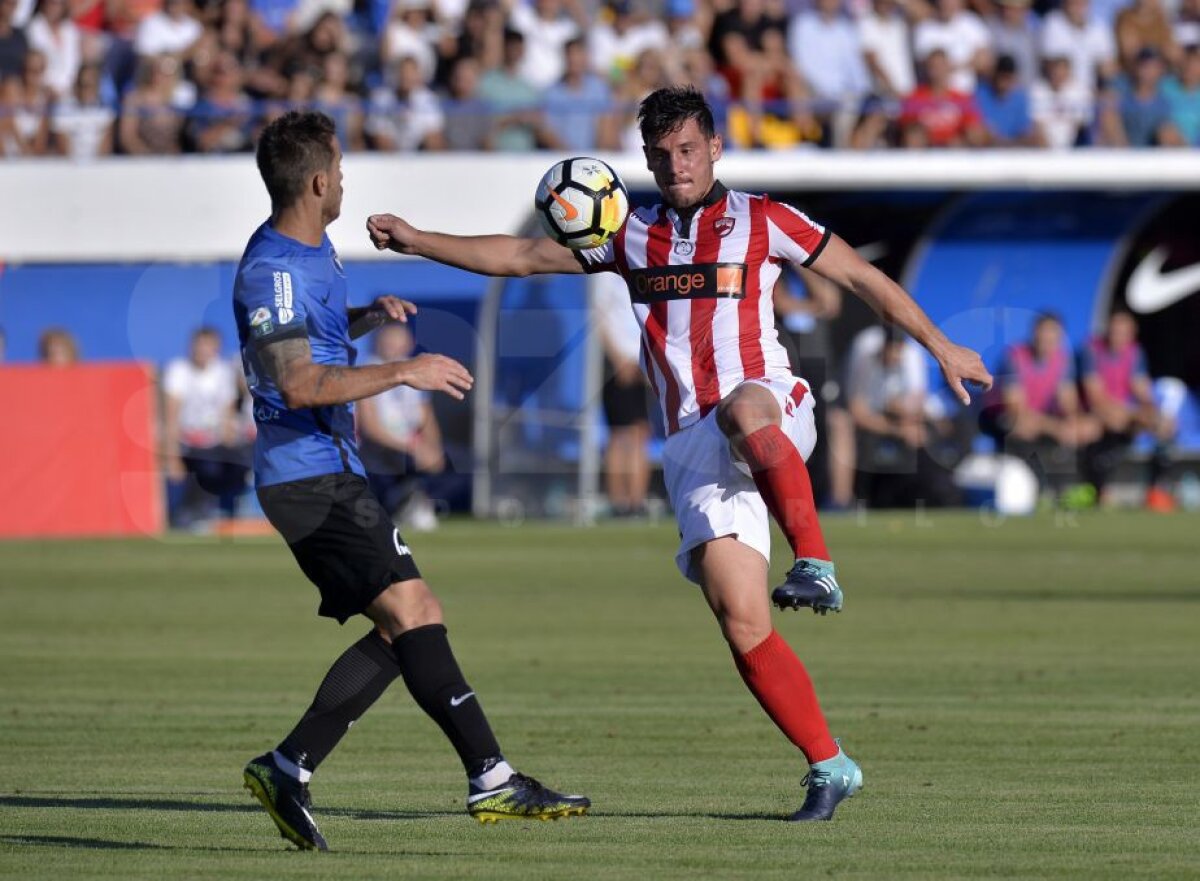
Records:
x=581, y=202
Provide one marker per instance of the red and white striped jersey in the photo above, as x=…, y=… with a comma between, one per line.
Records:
x=701, y=288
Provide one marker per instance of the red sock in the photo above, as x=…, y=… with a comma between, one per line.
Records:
x=778, y=679
x=782, y=480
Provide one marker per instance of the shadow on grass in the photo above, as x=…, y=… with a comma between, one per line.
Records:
x=142, y=803
x=75, y=842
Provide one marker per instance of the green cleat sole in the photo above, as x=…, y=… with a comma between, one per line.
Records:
x=260, y=794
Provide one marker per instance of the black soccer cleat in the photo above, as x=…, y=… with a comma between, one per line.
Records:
x=523, y=798
x=287, y=802
x=829, y=784
x=810, y=584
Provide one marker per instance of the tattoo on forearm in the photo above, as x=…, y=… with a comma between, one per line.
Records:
x=329, y=374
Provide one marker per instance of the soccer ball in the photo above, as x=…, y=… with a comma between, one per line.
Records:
x=581, y=202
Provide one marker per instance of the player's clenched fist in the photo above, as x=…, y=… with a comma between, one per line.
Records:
x=436, y=373
x=388, y=231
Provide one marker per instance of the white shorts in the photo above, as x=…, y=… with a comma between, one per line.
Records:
x=711, y=493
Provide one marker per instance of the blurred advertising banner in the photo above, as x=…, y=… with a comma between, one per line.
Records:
x=78, y=456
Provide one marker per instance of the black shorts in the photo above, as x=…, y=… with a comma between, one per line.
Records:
x=624, y=405
x=343, y=539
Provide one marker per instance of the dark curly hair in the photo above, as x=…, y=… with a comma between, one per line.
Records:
x=666, y=110
x=291, y=150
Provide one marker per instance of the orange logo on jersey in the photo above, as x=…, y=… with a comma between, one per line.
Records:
x=570, y=212
x=729, y=280
x=700, y=281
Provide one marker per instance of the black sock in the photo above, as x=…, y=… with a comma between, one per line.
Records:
x=353, y=683
x=437, y=685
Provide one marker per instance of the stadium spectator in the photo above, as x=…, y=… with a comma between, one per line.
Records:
x=26, y=100
x=274, y=19
x=468, y=119
x=884, y=34
x=150, y=123
x=937, y=115
x=547, y=26
x=888, y=402
x=1004, y=108
x=619, y=38
x=1118, y=393
x=619, y=129
x=400, y=441
x=411, y=33
x=480, y=36
x=1183, y=96
x=173, y=30
x=1014, y=31
x=518, y=124
x=626, y=458
x=962, y=36
x=205, y=458
x=1034, y=411
x=54, y=34
x=1059, y=105
x=83, y=123
x=579, y=101
x=825, y=47
x=686, y=25
x=13, y=42
x=1139, y=115
x=221, y=121
x=57, y=347
x=333, y=98
x=407, y=116
x=1187, y=24
x=1072, y=32
x=1144, y=24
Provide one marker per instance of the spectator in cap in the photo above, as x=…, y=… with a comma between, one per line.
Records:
x=1004, y=106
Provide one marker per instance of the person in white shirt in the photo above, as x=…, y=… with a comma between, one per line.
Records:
x=53, y=34
x=400, y=441
x=616, y=42
x=547, y=29
x=824, y=45
x=1059, y=105
x=411, y=33
x=205, y=459
x=406, y=116
x=883, y=33
x=82, y=123
x=964, y=38
x=626, y=463
x=173, y=31
x=1072, y=33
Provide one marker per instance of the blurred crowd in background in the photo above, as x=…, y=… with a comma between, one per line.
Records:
x=91, y=77
x=892, y=436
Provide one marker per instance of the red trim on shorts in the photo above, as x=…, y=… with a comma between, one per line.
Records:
x=799, y=390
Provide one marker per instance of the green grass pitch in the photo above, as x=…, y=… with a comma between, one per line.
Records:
x=1023, y=696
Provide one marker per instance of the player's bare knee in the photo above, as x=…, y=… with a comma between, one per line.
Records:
x=743, y=413
x=744, y=633
x=405, y=605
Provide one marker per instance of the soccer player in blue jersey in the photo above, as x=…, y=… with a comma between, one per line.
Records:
x=295, y=332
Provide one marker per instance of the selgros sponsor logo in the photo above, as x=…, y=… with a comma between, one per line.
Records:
x=283, y=297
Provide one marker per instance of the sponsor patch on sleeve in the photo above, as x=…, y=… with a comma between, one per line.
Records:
x=260, y=315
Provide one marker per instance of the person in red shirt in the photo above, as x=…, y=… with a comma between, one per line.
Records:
x=934, y=115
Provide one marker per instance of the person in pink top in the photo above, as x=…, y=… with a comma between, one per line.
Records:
x=1118, y=393
x=1034, y=412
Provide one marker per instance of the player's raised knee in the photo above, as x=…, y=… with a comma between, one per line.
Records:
x=746, y=410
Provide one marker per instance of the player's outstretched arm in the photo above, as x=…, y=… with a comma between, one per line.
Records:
x=841, y=264
x=499, y=255
x=304, y=383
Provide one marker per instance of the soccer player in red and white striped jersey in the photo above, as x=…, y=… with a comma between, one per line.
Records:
x=700, y=267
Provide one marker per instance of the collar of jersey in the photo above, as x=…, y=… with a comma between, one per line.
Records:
x=715, y=194
x=295, y=243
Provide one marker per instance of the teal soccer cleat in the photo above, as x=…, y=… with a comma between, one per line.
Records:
x=829, y=784
x=811, y=584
